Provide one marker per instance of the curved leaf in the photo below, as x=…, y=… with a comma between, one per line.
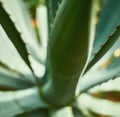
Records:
x=52, y=7
x=7, y=68
x=9, y=82
x=69, y=48
x=11, y=58
x=14, y=36
x=100, y=106
x=97, y=77
x=108, y=44
x=22, y=21
x=108, y=69
x=109, y=19
x=65, y=111
x=18, y=102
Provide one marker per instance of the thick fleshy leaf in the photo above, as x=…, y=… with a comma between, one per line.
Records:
x=99, y=106
x=14, y=35
x=104, y=48
x=41, y=15
x=69, y=48
x=99, y=76
x=52, y=7
x=66, y=112
x=10, y=56
x=16, y=102
x=109, y=19
x=112, y=85
x=7, y=68
x=9, y=82
x=19, y=14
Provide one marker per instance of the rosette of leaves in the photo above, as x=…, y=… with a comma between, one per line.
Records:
x=74, y=68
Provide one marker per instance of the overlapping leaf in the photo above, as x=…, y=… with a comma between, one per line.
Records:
x=16, y=102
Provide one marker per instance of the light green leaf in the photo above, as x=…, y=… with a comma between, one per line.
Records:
x=23, y=22
x=16, y=102
x=99, y=106
x=97, y=77
x=65, y=111
x=12, y=83
x=112, y=85
x=10, y=56
x=41, y=15
x=14, y=35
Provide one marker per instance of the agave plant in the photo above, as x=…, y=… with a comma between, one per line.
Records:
x=66, y=64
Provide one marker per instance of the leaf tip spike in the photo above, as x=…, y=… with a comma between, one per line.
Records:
x=109, y=36
x=101, y=46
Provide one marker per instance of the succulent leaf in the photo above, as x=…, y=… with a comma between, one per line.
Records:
x=52, y=8
x=104, y=48
x=21, y=101
x=109, y=18
x=19, y=14
x=8, y=82
x=6, y=67
x=69, y=48
x=10, y=58
x=108, y=108
x=102, y=76
x=14, y=36
x=65, y=111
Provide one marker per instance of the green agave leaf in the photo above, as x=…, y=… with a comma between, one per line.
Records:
x=104, y=48
x=14, y=36
x=11, y=58
x=112, y=85
x=66, y=112
x=97, y=77
x=69, y=48
x=16, y=102
x=109, y=90
x=99, y=106
x=41, y=15
x=13, y=83
x=109, y=19
x=7, y=68
x=52, y=7
x=22, y=21
x=108, y=69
